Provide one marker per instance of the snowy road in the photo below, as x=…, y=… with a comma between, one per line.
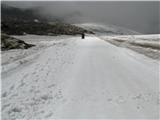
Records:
x=78, y=78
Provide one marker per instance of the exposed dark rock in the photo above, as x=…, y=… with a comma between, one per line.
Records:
x=17, y=21
x=8, y=43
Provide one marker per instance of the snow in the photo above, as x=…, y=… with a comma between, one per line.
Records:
x=79, y=78
x=148, y=45
x=14, y=58
x=101, y=29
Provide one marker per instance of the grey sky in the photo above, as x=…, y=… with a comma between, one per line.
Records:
x=140, y=16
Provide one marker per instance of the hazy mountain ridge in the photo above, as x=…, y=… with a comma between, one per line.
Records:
x=102, y=29
x=17, y=21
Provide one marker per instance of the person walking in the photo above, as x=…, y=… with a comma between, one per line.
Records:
x=83, y=35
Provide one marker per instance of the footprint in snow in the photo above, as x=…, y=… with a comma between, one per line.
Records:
x=137, y=97
x=15, y=110
x=14, y=95
x=12, y=87
x=36, y=80
x=22, y=84
x=120, y=100
x=46, y=97
x=42, y=69
x=34, y=73
x=26, y=75
x=139, y=107
x=48, y=115
x=4, y=94
x=109, y=99
x=5, y=106
x=50, y=86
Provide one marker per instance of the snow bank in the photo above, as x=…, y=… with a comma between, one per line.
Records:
x=148, y=45
x=14, y=58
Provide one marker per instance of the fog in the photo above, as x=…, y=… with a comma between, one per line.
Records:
x=141, y=16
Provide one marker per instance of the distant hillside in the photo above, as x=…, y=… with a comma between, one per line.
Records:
x=101, y=29
x=17, y=21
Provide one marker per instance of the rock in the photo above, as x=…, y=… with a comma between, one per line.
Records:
x=8, y=43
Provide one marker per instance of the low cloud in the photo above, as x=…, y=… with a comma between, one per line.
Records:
x=141, y=16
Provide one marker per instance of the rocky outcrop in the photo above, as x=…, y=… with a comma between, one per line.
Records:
x=8, y=43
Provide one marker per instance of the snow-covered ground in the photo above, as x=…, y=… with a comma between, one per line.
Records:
x=78, y=78
x=148, y=45
x=13, y=58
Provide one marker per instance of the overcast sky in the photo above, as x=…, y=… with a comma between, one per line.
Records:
x=139, y=16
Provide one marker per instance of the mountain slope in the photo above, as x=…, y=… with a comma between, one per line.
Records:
x=16, y=21
x=101, y=29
